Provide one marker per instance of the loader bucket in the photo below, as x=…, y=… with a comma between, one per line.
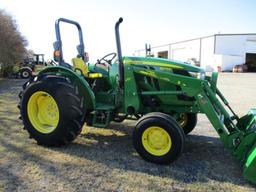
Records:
x=247, y=147
x=249, y=172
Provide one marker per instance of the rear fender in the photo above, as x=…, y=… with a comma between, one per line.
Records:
x=83, y=85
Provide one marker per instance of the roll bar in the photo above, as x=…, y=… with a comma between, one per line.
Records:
x=58, y=44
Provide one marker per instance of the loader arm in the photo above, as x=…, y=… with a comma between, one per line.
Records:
x=237, y=134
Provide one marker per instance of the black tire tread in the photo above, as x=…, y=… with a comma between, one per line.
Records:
x=191, y=123
x=160, y=118
x=71, y=127
x=166, y=117
x=25, y=69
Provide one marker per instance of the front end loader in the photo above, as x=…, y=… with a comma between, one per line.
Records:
x=163, y=96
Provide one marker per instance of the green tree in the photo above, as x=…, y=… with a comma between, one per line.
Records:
x=12, y=44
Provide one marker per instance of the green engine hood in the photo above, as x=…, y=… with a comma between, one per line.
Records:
x=163, y=63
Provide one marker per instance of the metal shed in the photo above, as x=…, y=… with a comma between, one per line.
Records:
x=213, y=53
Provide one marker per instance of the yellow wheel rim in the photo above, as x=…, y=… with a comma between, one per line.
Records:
x=43, y=112
x=183, y=120
x=156, y=141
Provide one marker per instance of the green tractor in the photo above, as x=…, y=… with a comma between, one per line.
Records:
x=31, y=65
x=163, y=96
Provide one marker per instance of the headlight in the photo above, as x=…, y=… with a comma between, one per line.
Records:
x=198, y=75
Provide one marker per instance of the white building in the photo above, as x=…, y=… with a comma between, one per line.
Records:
x=215, y=52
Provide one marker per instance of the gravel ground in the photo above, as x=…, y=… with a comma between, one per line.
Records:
x=104, y=159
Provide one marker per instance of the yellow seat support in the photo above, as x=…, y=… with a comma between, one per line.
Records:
x=79, y=65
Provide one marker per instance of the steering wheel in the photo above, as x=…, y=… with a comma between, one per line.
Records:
x=105, y=61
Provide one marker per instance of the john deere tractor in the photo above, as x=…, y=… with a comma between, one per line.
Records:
x=163, y=96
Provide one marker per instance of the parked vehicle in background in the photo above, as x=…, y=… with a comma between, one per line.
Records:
x=31, y=65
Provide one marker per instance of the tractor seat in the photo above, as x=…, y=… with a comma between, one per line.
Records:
x=80, y=66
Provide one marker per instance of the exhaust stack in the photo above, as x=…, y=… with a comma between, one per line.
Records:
x=119, y=53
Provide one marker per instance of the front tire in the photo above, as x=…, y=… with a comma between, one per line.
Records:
x=52, y=110
x=158, y=138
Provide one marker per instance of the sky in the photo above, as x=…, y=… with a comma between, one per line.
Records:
x=155, y=22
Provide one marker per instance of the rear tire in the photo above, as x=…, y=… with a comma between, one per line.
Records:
x=69, y=108
x=158, y=138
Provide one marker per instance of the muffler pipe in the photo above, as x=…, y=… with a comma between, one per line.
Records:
x=119, y=53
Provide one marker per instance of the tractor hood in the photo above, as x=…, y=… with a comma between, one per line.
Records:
x=162, y=63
